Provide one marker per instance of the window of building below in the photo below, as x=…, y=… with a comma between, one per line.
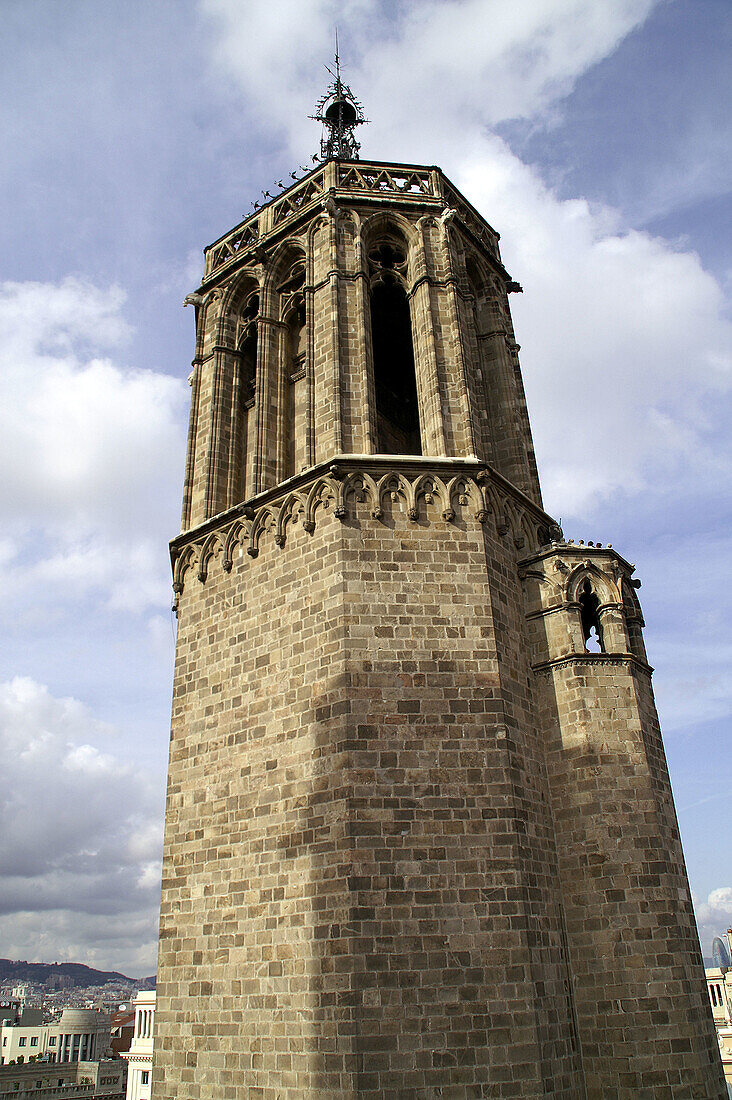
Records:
x=34, y=1040
x=52, y=1040
x=21, y=1041
x=145, y=1077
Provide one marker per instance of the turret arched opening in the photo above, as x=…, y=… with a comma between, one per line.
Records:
x=589, y=605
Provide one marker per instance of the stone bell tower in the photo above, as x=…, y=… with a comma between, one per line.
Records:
x=420, y=840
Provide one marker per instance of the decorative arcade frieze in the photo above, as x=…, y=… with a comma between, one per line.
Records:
x=448, y=490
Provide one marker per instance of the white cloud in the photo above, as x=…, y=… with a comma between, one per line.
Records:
x=481, y=60
x=92, y=451
x=57, y=318
x=626, y=354
x=80, y=828
x=126, y=942
x=87, y=759
x=626, y=351
x=487, y=62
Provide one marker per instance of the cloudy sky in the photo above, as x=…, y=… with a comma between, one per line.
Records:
x=593, y=134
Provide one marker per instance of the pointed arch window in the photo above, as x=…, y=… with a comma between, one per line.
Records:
x=247, y=345
x=292, y=356
x=395, y=382
x=295, y=322
x=479, y=289
x=293, y=313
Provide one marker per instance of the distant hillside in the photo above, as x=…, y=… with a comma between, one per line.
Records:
x=75, y=973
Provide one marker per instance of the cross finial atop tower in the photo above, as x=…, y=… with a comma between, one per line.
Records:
x=340, y=112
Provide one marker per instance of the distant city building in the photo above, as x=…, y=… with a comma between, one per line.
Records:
x=59, y=981
x=719, y=985
x=720, y=952
x=13, y=1012
x=140, y=1054
x=122, y=1030
x=9, y=1011
x=79, y=1035
x=20, y=1044
x=105, y=1078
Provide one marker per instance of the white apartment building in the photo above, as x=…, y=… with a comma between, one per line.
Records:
x=140, y=1054
x=20, y=1044
x=81, y=1035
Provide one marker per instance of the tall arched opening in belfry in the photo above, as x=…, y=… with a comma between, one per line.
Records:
x=291, y=311
x=487, y=388
x=395, y=382
x=246, y=314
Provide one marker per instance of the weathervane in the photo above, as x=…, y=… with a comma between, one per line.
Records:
x=340, y=112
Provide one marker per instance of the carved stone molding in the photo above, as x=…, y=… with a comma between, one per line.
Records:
x=626, y=659
x=561, y=564
x=340, y=488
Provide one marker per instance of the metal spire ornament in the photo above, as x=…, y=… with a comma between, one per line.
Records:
x=340, y=112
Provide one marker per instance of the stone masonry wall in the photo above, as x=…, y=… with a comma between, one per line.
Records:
x=641, y=1002
x=642, y=1009
x=360, y=896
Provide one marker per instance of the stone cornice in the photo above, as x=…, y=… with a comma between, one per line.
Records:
x=457, y=486
x=574, y=550
x=592, y=659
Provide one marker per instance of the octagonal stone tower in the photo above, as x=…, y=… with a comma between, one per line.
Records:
x=420, y=840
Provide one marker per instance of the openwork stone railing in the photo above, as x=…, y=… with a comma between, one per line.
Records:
x=387, y=179
x=244, y=238
x=353, y=180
